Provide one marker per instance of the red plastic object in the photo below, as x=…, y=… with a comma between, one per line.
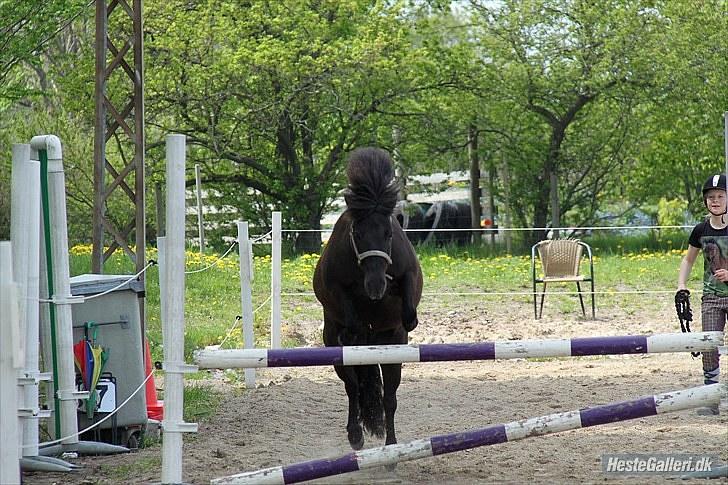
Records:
x=155, y=407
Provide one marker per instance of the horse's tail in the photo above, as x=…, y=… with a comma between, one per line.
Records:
x=371, y=407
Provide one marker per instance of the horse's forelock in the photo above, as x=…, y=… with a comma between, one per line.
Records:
x=371, y=187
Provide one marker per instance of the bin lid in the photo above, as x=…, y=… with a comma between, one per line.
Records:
x=91, y=284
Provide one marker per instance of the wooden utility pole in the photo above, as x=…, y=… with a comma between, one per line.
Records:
x=119, y=57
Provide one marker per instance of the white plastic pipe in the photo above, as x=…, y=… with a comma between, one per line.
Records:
x=66, y=385
x=174, y=321
x=25, y=234
x=20, y=215
x=275, y=283
x=10, y=364
x=246, y=296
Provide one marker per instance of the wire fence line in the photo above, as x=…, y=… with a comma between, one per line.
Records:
x=258, y=239
x=214, y=263
x=524, y=293
x=523, y=229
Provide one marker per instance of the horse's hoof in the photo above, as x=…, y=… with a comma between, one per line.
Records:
x=358, y=445
x=356, y=439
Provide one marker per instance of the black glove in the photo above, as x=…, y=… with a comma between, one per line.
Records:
x=682, y=307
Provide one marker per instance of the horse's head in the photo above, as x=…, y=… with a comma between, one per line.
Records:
x=371, y=198
x=371, y=240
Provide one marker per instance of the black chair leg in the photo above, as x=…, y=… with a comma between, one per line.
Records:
x=594, y=311
x=540, y=312
x=581, y=299
x=535, y=311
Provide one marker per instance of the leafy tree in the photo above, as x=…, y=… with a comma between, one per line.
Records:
x=272, y=95
x=573, y=71
x=681, y=141
x=25, y=30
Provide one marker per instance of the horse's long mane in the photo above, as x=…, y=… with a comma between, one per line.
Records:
x=371, y=183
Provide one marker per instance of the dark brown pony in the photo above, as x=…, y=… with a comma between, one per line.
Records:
x=369, y=282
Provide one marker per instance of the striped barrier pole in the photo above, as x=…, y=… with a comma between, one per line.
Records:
x=507, y=349
x=501, y=433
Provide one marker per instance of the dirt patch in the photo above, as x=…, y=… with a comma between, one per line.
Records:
x=300, y=414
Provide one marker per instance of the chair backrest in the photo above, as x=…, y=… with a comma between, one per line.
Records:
x=560, y=257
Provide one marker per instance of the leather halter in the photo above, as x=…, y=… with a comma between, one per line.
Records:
x=367, y=254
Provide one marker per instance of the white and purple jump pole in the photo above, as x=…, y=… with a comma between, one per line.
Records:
x=491, y=435
x=507, y=349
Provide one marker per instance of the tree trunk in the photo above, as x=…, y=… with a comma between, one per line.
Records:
x=548, y=194
x=310, y=241
x=491, y=210
x=505, y=176
x=474, y=183
x=554, y=198
x=400, y=171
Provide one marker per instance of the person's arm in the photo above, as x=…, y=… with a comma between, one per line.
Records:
x=686, y=266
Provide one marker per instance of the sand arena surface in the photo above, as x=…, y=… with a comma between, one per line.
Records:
x=300, y=414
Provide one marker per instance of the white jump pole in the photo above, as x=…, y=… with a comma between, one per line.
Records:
x=275, y=282
x=173, y=326
x=491, y=435
x=10, y=364
x=246, y=295
x=65, y=391
x=493, y=350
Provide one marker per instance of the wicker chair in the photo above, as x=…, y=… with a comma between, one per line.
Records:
x=560, y=259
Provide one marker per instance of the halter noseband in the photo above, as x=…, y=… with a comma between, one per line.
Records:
x=366, y=254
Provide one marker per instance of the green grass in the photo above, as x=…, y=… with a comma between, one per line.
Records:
x=213, y=297
x=131, y=471
x=201, y=401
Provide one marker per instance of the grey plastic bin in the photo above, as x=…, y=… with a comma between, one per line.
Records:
x=121, y=340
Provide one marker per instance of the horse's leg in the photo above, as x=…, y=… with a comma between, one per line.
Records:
x=351, y=385
x=354, y=430
x=392, y=376
x=409, y=311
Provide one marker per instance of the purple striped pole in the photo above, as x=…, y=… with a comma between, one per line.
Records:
x=507, y=349
x=501, y=433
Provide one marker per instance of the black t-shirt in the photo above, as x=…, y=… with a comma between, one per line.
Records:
x=714, y=243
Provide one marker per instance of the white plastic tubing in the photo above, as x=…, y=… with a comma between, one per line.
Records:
x=10, y=364
x=65, y=390
x=25, y=235
x=173, y=324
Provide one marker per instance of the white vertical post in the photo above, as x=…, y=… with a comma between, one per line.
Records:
x=200, y=227
x=66, y=378
x=25, y=233
x=10, y=363
x=275, y=283
x=173, y=325
x=19, y=219
x=246, y=296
